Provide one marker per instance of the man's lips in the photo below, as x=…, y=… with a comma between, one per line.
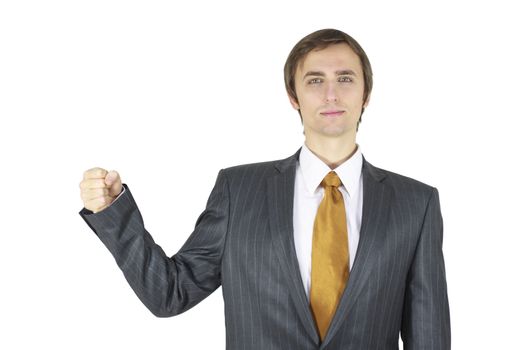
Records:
x=332, y=113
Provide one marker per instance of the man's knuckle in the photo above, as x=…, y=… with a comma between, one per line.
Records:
x=94, y=173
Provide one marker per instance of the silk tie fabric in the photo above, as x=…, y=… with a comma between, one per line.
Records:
x=330, y=257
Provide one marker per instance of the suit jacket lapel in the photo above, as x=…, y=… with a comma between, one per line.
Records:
x=280, y=203
x=376, y=204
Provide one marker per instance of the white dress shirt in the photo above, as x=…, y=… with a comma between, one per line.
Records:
x=308, y=194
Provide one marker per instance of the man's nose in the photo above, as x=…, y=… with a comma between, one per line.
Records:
x=330, y=92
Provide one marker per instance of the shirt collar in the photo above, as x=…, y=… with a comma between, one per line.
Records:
x=314, y=170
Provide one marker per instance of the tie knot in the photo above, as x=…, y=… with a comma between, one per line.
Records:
x=331, y=179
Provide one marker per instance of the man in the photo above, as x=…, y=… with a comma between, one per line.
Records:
x=320, y=250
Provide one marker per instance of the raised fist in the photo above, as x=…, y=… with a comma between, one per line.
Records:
x=99, y=188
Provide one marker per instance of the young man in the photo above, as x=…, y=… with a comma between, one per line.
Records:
x=320, y=250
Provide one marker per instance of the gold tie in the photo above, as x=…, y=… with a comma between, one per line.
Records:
x=330, y=256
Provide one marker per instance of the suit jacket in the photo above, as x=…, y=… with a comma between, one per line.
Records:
x=243, y=240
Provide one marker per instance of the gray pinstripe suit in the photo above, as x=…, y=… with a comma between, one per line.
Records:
x=243, y=241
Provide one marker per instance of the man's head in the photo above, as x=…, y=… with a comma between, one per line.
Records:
x=328, y=70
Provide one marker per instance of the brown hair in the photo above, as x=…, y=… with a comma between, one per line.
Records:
x=319, y=40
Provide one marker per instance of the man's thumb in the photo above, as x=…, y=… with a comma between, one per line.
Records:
x=110, y=177
x=112, y=180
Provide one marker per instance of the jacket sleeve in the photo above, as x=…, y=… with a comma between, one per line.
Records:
x=426, y=319
x=167, y=286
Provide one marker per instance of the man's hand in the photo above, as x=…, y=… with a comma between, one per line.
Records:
x=99, y=188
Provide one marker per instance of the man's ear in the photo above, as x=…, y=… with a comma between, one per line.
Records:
x=294, y=103
x=366, y=102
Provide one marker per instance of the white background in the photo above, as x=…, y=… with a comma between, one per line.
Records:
x=168, y=93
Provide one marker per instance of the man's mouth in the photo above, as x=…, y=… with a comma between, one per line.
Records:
x=332, y=113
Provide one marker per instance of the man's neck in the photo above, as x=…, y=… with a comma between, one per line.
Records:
x=333, y=152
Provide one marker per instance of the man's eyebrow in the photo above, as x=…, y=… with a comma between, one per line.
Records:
x=339, y=72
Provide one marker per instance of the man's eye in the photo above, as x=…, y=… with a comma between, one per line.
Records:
x=346, y=79
x=314, y=81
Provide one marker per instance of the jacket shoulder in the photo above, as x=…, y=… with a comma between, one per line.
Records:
x=264, y=168
x=257, y=169
x=403, y=184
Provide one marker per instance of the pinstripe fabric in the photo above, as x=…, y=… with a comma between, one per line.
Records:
x=243, y=241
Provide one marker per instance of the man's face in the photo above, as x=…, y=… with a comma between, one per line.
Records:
x=329, y=85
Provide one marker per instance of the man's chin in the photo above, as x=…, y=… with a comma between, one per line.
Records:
x=329, y=131
x=334, y=131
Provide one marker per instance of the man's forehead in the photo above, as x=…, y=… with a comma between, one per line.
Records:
x=322, y=73
x=324, y=68
x=325, y=59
